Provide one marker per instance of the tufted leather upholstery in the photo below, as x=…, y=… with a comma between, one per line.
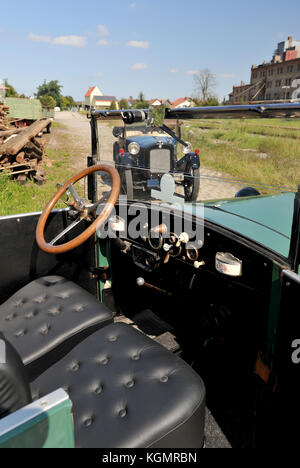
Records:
x=47, y=318
x=128, y=391
x=14, y=387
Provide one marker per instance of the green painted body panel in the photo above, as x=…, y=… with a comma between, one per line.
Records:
x=19, y=108
x=47, y=113
x=103, y=260
x=51, y=429
x=265, y=220
x=274, y=310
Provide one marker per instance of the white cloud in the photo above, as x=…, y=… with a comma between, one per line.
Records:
x=227, y=75
x=74, y=41
x=139, y=66
x=38, y=38
x=132, y=5
x=103, y=43
x=174, y=70
x=138, y=44
x=192, y=72
x=102, y=30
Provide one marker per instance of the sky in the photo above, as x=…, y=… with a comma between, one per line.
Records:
x=126, y=46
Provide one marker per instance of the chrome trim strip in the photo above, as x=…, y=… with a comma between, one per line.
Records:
x=34, y=213
x=292, y=276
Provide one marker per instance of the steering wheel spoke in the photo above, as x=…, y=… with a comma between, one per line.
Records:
x=85, y=211
x=65, y=231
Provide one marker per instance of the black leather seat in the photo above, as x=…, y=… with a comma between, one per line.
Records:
x=47, y=318
x=128, y=391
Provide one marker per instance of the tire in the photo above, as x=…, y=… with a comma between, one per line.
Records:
x=247, y=192
x=127, y=183
x=116, y=151
x=191, y=184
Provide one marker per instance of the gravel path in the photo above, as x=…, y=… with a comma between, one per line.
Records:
x=77, y=128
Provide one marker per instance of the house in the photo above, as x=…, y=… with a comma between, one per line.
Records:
x=159, y=102
x=182, y=102
x=104, y=102
x=89, y=96
x=154, y=102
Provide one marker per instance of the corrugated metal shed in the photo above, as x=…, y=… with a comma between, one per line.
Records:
x=19, y=108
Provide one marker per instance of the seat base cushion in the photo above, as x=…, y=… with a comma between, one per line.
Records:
x=47, y=318
x=128, y=392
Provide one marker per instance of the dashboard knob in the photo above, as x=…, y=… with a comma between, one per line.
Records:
x=140, y=281
x=184, y=237
x=198, y=264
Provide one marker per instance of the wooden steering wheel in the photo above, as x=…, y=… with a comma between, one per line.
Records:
x=84, y=211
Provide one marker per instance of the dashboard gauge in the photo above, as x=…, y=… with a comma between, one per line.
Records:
x=155, y=241
x=192, y=252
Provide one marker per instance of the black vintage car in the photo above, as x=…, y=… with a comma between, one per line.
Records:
x=155, y=149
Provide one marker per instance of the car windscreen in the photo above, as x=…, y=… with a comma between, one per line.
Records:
x=224, y=159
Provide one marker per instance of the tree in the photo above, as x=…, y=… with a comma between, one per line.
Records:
x=123, y=104
x=141, y=103
x=71, y=102
x=113, y=106
x=211, y=101
x=64, y=103
x=10, y=90
x=53, y=88
x=205, y=83
x=48, y=101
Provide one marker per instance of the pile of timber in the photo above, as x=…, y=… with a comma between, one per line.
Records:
x=3, y=121
x=22, y=153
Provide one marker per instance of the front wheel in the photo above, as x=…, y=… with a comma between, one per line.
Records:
x=191, y=184
x=127, y=183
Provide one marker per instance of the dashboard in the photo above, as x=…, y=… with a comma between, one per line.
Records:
x=166, y=249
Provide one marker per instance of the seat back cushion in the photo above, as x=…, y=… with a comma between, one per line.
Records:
x=14, y=385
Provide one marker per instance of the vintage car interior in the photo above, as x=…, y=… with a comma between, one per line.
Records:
x=146, y=334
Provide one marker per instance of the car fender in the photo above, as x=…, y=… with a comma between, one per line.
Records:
x=126, y=160
x=189, y=159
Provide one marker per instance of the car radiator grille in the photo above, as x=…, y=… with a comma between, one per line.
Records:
x=160, y=160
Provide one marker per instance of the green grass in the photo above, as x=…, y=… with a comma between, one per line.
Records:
x=15, y=198
x=223, y=147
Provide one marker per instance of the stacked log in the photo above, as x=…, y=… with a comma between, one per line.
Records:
x=22, y=153
x=3, y=120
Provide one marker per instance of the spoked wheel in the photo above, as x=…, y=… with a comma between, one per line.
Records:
x=127, y=183
x=191, y=184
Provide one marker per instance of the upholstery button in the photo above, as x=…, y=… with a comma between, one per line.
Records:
x=88, y=422
x=40, y=299
x=130, y=384
x=135, y=357
x=75, y=367
x=79, y=308
x=55, y=311
x=19, y=303
x=112, y=338
x=10, y=317
x=63, y=295
x=20, y=333
x=104, y=361
x=98, y=390
x=45, y=329
x=164, y=378
x=122, y=413
x=30, y=314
